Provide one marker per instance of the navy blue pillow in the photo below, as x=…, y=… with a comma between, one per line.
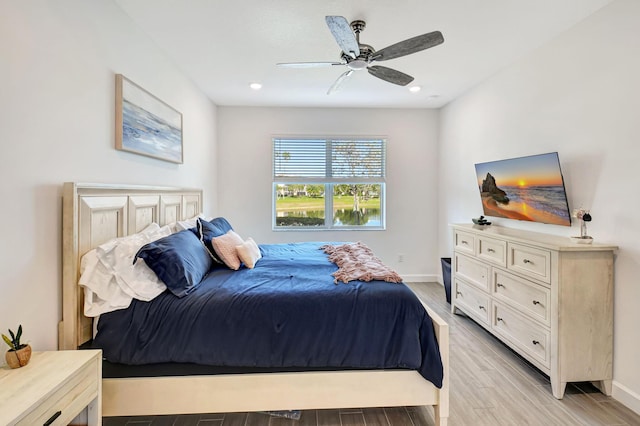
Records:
x=179, y=260
x=206, y=231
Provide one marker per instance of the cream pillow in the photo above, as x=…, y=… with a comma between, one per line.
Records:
x=225, y=248
x=249, y=253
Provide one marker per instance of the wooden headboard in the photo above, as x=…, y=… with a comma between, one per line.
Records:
x=93, y=214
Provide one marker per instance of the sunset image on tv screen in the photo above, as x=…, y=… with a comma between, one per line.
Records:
x=526, y=188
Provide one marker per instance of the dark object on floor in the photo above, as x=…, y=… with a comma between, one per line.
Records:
x=289, y=414
x=446, y=276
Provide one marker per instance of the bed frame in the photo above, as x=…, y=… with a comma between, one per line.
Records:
x=96, y=213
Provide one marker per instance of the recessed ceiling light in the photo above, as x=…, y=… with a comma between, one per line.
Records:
x=415, y=89
x=256, y=86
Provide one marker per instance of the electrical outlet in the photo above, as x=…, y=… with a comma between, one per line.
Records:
x=400, y=257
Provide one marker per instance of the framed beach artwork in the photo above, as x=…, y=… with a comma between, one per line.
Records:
x=146, y=125
x=524, y=188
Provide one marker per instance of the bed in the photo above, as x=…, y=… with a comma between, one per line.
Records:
x=94, y=214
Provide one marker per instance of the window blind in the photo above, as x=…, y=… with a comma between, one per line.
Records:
x=329, y=159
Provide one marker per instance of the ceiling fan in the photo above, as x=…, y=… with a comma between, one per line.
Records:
x=357, y=56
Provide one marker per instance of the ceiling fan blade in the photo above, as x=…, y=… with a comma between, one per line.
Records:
x=338, y=83
x=342, y=32
x=407, y=47
x=390, y=75
x=308, y=64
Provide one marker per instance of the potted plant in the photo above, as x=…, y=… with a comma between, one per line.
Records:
x=18, y=354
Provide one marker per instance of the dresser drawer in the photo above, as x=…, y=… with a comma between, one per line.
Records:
x=465, y=242
x=525, y=296
x=494, y=251
x=533, y=340
x=530, y=261
x=472, y=301
x=473, y=271
x=69, y=399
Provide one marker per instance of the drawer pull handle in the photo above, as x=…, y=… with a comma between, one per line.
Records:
x=482, y=307
x=491, y=250
x=527, y=261
x=52, y=418
x=499, y=285
x=458, y=293
x=535, y=302
x=535, y=342
x=499, y=319
x=464, y=242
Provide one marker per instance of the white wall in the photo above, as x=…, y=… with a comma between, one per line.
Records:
x=578, y=95
x=57, y=65
x=245, y=171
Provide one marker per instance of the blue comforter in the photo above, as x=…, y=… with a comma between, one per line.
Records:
x=286, y=312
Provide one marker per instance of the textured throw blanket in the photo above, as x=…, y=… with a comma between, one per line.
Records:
x=356, y=261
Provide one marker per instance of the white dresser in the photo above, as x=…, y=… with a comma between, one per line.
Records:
x=549, y=299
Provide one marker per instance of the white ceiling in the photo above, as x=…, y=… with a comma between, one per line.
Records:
x=225, y=45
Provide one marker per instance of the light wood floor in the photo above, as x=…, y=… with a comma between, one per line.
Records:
x=490, y=385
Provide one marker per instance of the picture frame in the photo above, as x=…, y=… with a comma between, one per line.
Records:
x=145, y=124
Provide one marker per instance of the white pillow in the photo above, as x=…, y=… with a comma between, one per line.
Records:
x=101, y=291
x=110, y=278
x=182, y=225
x=249, y=253
x=138, y=281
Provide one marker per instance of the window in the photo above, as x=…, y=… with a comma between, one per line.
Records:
x=328, y=183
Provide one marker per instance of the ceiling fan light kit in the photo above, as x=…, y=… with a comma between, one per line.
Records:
x=357, y=56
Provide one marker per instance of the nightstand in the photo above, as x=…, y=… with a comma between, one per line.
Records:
x=52, y=389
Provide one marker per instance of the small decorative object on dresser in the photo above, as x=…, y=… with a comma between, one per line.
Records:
x=549, y=300
x=480, y=221
x=18, y=354
x=584, y=217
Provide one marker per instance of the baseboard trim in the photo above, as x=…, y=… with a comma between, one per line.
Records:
x=420, y=278
x=626, y=396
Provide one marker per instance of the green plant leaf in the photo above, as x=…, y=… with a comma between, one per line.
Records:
x=13, y=336
x=19, y=334
x=6, y=339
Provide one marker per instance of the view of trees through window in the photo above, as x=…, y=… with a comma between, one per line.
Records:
x=351, y=204
x=329, y=183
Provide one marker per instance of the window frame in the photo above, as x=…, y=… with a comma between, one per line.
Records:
x=329, y=181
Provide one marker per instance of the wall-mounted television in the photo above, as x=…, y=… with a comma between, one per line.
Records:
x=524, y=188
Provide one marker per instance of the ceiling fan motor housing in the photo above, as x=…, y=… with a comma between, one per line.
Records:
x=362, y=61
